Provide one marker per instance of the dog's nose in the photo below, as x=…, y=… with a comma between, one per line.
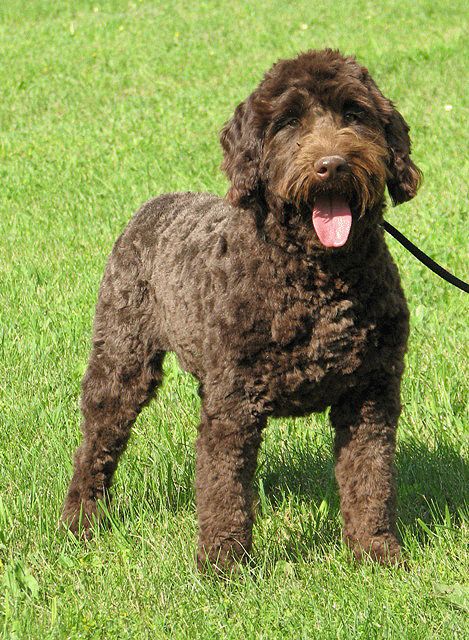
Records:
x=330, y=166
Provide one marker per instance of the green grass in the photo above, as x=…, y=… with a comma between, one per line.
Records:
x=104, y=104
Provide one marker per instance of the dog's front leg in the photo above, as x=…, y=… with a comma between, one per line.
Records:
x=227, y=447
x=365, y=439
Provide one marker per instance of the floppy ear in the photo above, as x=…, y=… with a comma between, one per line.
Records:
x=241, y=140
x=404, y=176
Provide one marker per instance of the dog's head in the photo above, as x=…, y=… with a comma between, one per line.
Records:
x=318, y=134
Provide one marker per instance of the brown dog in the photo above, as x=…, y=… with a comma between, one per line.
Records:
x=282, y=299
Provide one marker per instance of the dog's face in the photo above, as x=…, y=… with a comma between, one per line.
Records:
x=317, y=133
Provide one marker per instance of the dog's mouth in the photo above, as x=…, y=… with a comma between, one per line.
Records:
x=332, y=219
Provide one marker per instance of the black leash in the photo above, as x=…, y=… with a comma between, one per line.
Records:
x=426, y=260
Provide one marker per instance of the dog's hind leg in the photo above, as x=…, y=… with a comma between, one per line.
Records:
x=124, y=370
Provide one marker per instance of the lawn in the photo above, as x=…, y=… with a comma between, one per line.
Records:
x=104, y=104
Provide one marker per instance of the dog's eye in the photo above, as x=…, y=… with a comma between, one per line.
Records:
x=285, y=123
x=353, y=116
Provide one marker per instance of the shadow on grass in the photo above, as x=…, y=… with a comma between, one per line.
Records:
x=298, y=512
x=425, y=476
x=437, y=476
x=431, y=483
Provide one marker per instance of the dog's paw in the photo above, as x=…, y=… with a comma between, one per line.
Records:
x=383, y=548
x=223, y=559
x=79, y=517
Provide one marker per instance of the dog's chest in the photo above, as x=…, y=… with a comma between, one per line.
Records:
x=322, y=329
x=321, y=339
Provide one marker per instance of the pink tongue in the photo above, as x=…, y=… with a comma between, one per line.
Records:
x=332, y=220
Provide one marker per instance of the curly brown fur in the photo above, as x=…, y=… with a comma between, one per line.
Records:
x=271, y=321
